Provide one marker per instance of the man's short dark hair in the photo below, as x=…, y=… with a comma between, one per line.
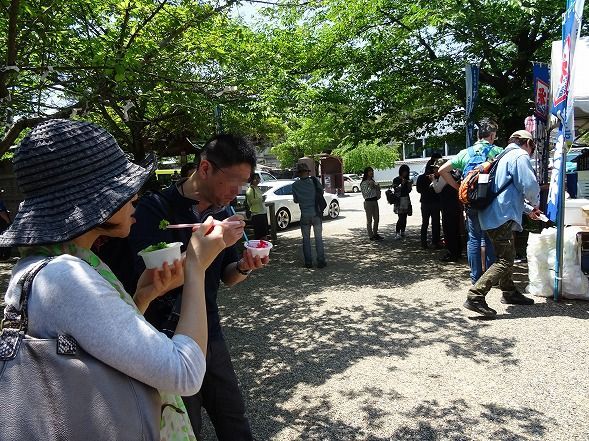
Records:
x=486, y=126
x=227, y=150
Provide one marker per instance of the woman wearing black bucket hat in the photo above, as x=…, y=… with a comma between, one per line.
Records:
x=78, y=184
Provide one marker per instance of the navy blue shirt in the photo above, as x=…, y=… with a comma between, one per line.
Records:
x=175, y=208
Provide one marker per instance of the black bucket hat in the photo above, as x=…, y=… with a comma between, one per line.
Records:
x=74, y=176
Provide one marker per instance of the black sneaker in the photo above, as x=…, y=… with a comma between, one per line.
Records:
x=321, y=265
x=378, y=237
x=480, y=306
x=308, y=265
x=516, y=298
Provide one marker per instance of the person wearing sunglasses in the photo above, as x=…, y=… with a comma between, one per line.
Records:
x=502, y=217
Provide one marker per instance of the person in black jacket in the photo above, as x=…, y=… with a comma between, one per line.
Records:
x=430, y=204
x=226, y=164
x=452, y=216
x=402, y=186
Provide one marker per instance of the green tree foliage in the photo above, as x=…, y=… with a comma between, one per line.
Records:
x=150, y=71
x=394, y=69
x=365, y=154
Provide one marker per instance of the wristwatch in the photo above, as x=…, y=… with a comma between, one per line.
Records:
x=240, y=271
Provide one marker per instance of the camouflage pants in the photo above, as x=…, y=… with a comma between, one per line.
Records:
x=501, y=272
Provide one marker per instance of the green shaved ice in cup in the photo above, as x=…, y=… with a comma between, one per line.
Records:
x=258, y=248
x=155, y=256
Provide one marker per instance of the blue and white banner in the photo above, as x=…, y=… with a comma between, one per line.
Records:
x=540, y=119
x=472, y=93
x=562, y=105
x=556, y=179
x=541, y=90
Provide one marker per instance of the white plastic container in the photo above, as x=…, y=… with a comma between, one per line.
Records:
x=573, y=212
x=252, y=247
x=157, y=258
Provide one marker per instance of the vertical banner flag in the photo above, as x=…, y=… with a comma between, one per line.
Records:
x=472, y=92
x=562, y=105
x=541, y=94
x=556, y=181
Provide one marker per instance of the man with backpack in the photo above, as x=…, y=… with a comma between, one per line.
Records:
x=515, y=191
x=465, y=161
x=307, y=192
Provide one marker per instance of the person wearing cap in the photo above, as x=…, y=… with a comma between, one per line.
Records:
x=484, y=149
x=304, y=192
x=452, y=217
x=224, y=167
x=77, y=185
x=502, y=217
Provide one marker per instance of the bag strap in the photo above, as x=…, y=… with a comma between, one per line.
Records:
x=486, y=150
x=15, y=323
x=509, y=182
x=316, y=183
x=18, y=318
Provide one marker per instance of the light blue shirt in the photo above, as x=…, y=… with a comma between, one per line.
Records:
x=514, y=165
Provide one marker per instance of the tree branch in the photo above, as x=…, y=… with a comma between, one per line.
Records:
x=124, y=26
x=11, y=48
x=15, y=130
x=144, y=23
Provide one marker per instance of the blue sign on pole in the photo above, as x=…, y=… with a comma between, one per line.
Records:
x=472, y=92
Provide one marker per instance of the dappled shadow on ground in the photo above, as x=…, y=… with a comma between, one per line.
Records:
x=284, y=333
x=458, y=421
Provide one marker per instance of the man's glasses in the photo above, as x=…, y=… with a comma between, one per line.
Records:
x=232, y=180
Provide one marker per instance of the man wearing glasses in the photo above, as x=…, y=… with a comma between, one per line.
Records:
x=503, y=217
x=225, y=165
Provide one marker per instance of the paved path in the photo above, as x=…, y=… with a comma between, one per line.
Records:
x=377, y=347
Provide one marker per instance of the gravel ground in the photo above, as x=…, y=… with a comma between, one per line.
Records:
x=377, y=347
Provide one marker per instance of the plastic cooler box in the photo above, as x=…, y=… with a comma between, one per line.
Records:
x=573, y=212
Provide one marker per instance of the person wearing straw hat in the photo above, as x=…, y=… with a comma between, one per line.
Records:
x=77, y=185
x=519, y=194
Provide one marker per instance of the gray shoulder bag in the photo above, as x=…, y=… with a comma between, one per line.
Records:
x=51, y=389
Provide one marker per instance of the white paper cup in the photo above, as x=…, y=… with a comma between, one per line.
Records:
x=157, y=258
x=252, y=247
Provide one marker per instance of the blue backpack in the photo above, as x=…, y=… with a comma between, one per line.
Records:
x=476, y=158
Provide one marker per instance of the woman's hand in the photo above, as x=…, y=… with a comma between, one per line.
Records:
x=232, y=233
x=206, y=243
x=154, y=283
